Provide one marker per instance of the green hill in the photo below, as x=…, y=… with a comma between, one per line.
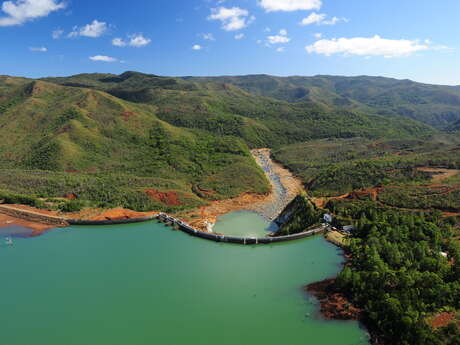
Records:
x=226, y=109
x=125, y=139
x=84, y=137
x=435, y=105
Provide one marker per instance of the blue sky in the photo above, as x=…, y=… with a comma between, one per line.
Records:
x=414, y=39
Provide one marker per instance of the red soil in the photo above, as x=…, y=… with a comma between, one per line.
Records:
x=119, y=213
x=334, y=305
x=38, y=228
x=167, y=198
x=439, y=174
x=127, y=114
x=442, y=320
x=71, y=196
x=357, y=194
x=87, y=214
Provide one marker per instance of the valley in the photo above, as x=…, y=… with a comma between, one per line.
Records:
x=377, y=154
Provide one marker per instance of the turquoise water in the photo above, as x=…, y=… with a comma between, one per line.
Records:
x=147, y=284
x=243, y=224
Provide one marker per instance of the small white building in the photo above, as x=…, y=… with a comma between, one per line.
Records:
x=348, y=228
x=327, y=218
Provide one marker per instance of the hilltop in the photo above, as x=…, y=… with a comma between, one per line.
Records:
x=223, y=108
x=61, y=140
x=152, y=142
x=435, y=105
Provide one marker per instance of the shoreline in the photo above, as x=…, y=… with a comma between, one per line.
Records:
x=284, y=188
x=40, y=220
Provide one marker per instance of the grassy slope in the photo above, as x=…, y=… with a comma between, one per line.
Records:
x=334, y=167
x=435, y=105
x=225, y=109
x=50, y=127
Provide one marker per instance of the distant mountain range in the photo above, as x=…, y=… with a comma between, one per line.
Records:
x=194, y=134
x=435, y=105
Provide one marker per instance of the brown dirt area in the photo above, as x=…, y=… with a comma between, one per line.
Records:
x=442, y=319
x=86, y=214
x=334, y=305
x=247, y=201
x=373, y=192
x=439, y=174
x=37, y=228
x=167, y=198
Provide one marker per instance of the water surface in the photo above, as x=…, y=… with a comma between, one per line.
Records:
x=243, y=224
x=147, y=284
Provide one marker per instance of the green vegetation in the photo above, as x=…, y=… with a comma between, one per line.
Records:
x=442, y=198
x=148, y=142
x=436, y=105
x=225, y=109
x=394, y=193
x=298, y=216
x=339, y=166
x=94, y=145
x=399, y=278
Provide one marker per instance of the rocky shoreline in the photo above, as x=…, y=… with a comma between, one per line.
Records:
x=285, y=187
x=334, y=305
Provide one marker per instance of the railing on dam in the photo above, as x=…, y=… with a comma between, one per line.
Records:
x=231, y=239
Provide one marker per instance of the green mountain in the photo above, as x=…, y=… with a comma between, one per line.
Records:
x=435, y=105
x=226, y=109
x=81, y=137
x=126, y=139
x=454, y=127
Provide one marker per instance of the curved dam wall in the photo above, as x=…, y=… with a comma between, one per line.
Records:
x=230, y=239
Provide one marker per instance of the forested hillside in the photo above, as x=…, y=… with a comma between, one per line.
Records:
x=225, y=109
x=435, y=105
x=106, y=150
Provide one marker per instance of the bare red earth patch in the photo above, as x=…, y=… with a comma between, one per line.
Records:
x=127, y=114
x=71, y=196
x=442, y=320
x=167, y=198
x=334, y=305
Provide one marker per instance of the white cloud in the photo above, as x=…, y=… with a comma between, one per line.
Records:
x=289, y=5
x=334, y=20
x=232, y=19
x=277, y=39
x=93, y=30
x=318, y=35
x=38, y=49
x=280, y=49
x=119, y=42
x=197, y=47
x=362, y=46
x=239, y=36
x=57, y=34
x=103, y=58
x=209, y=37
x=20, y=11
x=313, y=18
x=137, y=41
x=320, y=19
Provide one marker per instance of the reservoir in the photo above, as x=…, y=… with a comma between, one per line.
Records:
x=148, y=284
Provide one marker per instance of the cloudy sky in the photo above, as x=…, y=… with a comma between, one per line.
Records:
x=415, y=39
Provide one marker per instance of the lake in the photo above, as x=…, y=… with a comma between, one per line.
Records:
x=148, y=284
